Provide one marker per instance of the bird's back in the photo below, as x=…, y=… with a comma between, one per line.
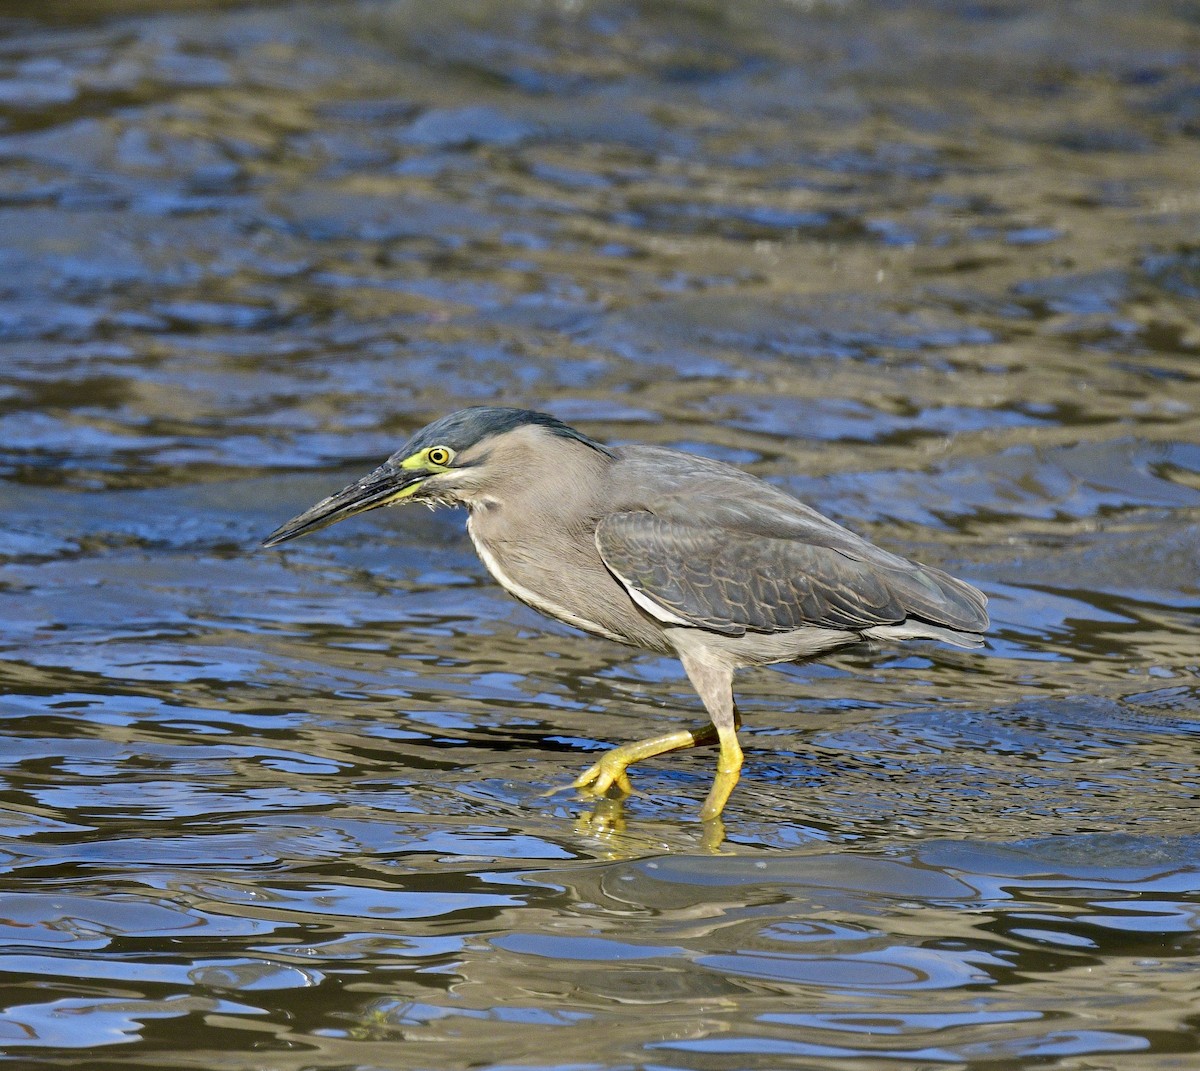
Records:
x=735, y=554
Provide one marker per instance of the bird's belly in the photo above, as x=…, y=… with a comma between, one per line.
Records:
x=761, y=648
x=539, y=601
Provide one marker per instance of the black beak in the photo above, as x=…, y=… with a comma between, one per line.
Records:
x=387, y=484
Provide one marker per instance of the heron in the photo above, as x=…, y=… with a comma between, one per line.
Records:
x=662, y=550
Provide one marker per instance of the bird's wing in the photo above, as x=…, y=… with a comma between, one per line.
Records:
x=732, y=581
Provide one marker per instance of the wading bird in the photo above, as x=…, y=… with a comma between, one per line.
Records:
x=661, y=550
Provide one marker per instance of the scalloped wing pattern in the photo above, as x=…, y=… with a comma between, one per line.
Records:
x=733, y=582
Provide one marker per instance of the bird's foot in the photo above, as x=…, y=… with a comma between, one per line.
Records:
x=606, y=777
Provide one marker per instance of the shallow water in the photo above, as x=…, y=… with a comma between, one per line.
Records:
x=932, y=267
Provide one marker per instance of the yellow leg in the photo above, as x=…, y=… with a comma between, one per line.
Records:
x=610, y=770
x=729, y=766
x=712, y=678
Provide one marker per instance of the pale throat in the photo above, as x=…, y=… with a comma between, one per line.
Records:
x=519, y=591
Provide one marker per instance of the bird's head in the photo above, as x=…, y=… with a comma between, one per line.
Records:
x=453, y=461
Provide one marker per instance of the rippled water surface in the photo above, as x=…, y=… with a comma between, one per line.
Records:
x=933, y=267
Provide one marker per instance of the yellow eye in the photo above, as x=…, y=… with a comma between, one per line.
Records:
x=438, y=455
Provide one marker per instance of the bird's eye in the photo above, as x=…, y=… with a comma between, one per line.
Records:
x=439, y=455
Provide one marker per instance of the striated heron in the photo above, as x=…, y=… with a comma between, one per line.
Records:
x=662, y=550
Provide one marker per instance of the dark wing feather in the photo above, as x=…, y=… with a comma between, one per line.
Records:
x=733, y=581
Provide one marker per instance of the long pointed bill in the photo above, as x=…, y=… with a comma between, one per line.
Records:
x=382, y=487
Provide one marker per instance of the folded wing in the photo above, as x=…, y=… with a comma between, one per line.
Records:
x=732, y=579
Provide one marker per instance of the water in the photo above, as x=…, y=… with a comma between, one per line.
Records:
x=932, y=267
